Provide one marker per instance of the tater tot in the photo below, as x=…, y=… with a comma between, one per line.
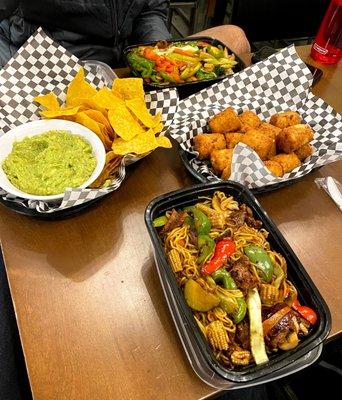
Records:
x=273, y=149
x=205, y=143
x=293, y=137
x=263, y=133
x=285, y=119
x=274, y=167
x=287, y=161
x=249, y=120
x=269, y=130
x=259, y=142
x=233, y=138
x=304, y=151
x=226, y=172
x=225, y=121
x=220, y=159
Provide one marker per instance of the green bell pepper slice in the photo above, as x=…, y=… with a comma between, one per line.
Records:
x=215, y=52
x=206, y=247
x=182, y=57
x=160, y=221
x=190, y=71
x=141, y=65
x=259, y=257
x=202, y=222
x=202, y=75
x=224, y=277
x=167, y=77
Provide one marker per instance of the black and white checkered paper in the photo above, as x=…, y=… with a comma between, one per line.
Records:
x=41, y=66
x=280, y=83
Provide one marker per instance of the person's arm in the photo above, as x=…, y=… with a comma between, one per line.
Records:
x=151, y=25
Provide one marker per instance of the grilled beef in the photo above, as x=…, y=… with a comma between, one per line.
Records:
x=176, y=220
x=241, y=274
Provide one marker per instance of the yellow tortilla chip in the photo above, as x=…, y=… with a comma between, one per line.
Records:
x=158, y=128
x=111, y=165
x=94, y=126
x=49, y=101
x=140, y=144
x=163, y=142
x=138, y=107
x=88, y=104
x=128, y=88
x=99, y=117
x=123, y=123
x=61, y=112
x=106, y=99
x=79, y=88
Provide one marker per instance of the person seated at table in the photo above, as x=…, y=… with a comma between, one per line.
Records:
x=96, y=29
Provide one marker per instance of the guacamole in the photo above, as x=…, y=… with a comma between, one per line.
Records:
x=48, y=163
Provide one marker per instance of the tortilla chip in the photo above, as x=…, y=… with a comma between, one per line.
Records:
x=123, y=123
x=111, y=165
x=138, y=107
x=79, y=88
x=61, y=112
x=98, y=128
x=88, y=104
x=140, y=144
x=49, y=101
x=106, y=99
x=163, y=142
x=158, y=128
x=99, y=117
x=128, y=88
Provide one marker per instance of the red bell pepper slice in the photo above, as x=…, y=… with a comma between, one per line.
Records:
x=223, y=249
x=306, y=312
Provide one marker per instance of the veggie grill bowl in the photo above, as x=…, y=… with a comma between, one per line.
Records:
x=200, y=83
x=39, y=127
x=307, y=291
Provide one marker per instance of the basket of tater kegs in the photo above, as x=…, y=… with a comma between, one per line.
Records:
x=261, y=127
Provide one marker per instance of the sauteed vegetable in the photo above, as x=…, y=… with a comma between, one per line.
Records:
x=234, y=282
x=180, y=62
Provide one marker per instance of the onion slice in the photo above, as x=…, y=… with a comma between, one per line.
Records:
x=272, y=321
x=255, y=327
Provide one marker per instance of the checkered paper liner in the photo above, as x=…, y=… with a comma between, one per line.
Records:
x=41, y=66
x=281, y=82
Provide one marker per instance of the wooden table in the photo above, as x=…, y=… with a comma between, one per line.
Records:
x=91, y=313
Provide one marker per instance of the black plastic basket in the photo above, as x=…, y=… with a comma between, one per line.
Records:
x=308, y=293
x=187, y=157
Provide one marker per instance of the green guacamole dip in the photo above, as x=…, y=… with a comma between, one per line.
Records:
x=49, y=163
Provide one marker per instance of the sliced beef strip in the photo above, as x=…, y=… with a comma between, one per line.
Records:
x=250, y=220
x=241, y=274
x=193, y=238
x=236, y=218
x=176, y=220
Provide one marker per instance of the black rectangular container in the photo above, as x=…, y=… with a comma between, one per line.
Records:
x=308, y=293
x=187, y=88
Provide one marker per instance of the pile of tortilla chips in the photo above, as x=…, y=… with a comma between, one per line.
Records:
x=119, y=117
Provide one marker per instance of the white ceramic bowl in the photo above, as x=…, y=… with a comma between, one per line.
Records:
x=36, y=128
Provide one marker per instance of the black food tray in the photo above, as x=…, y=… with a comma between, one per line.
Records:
x=187, y=88
x=308, y=293
x=55, y=215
